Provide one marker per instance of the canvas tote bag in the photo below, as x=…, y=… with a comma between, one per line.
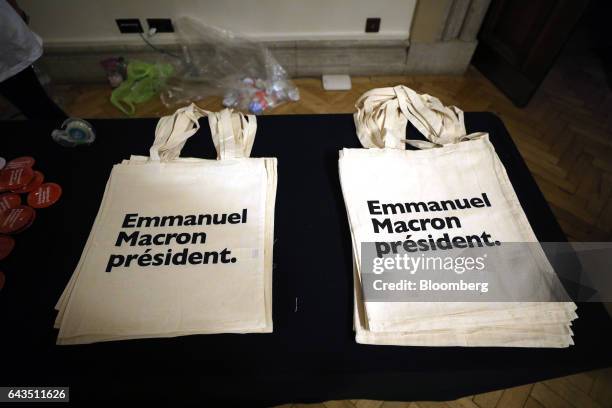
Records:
x=450, y=165
x=180, y=245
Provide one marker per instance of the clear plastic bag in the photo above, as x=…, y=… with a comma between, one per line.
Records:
x=218, y=62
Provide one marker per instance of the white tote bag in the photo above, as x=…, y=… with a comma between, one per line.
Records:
x=451, y=165
x=180, y=245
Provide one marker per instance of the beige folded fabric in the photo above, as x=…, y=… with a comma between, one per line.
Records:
x=471, y=335
x=220, y=210
x=452, y=165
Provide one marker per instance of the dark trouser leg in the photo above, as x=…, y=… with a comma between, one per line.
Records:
x=27, y=94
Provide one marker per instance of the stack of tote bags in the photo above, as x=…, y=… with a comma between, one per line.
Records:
x=180, y=245
x=451, y=165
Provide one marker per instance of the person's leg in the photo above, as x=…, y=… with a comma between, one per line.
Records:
x=27, y=94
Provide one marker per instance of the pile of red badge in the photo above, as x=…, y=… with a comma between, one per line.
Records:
x=18, y=177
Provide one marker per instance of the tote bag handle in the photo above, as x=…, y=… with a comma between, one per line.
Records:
x=233, y=133
x=383, y=114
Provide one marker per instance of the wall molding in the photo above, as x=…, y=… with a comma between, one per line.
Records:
x=449, y=54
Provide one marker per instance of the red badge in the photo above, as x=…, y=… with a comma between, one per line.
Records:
x=23, y=161
x=45, y=195
x=2, y=279
x=29, y=224
x=6, y=246
x=16, y=219
x=15, y=178
x=36, y=182
x=8, y=201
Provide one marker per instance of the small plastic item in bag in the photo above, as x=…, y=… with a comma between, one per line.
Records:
x=257, y=95
x=143, y=82
x=116, y=70
x=219, y=62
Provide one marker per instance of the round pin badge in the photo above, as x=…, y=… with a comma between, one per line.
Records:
x=23, y=161
x=15, y=178
x=2, y=162
x=28, y=224
x=16, y=219
x=45, y=195
x=2, y=280
x=8, y=201
x=36, y=182
x=7, y=243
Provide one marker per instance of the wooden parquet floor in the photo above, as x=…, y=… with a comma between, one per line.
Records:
x=565, y=136
x=576, y=391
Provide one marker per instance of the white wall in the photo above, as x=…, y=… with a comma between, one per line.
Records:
x=93, y=21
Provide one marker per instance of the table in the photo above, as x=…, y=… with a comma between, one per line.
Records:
x=312, y=355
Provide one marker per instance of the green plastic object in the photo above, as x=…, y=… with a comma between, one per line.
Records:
x=143, y=82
